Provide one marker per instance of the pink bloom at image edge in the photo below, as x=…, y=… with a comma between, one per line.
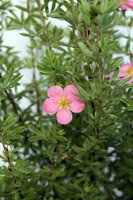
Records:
x=63, y=103
x=127, y=4
x=125, y=71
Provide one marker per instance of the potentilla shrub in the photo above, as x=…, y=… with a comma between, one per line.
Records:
x=74, y=139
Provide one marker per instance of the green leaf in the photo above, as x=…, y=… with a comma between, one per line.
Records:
x=21, y=166
x=34, y=130
x=22, y=8
x=36, y=138
x=15, y=133
x=8, y=77
x=38, y=134
x=84, y=49
x=128, y=102
x=9, y=122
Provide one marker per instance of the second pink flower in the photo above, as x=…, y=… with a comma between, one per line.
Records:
x=127, y=4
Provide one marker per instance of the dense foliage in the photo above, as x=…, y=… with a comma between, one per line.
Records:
x=92, y=157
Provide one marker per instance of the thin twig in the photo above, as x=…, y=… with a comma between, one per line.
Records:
x=43, y=19
x=14, y=105
x=35, y=82
x=97, y=133
x=34, y=70
x=8, y=159
x=97, y=127
x=40, y=11
x=6, y=151
x=87, y=32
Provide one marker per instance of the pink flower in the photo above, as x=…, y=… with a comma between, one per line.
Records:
x=125, y=71
x=126, y=4
x=63, y=103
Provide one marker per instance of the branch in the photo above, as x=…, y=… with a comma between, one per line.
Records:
x=40, y=11
x=97, y=132
x=43, y=19
x=6, y=151
x=87, y=32
x=14, y=105
x=8, y=159
x=97, y=127
x=35, y=82
x=34, y=69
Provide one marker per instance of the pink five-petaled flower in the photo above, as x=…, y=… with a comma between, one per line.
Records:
x=63, y=103
x=125, y=71
x=126, y=4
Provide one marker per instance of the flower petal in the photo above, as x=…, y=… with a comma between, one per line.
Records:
x=64, y=116
x=130, y=3
x=50, y=106
x=124, y=7
x=70, y=89
x=55, y=91
x=126, y=4
x=77, y=106
x=123, y=68
x=69, y=92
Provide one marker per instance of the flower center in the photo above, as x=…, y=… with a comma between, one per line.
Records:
x=63, y=103
x=129, y=71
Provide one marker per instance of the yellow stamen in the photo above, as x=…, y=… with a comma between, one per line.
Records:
x=63, y=103
x=129, y=71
